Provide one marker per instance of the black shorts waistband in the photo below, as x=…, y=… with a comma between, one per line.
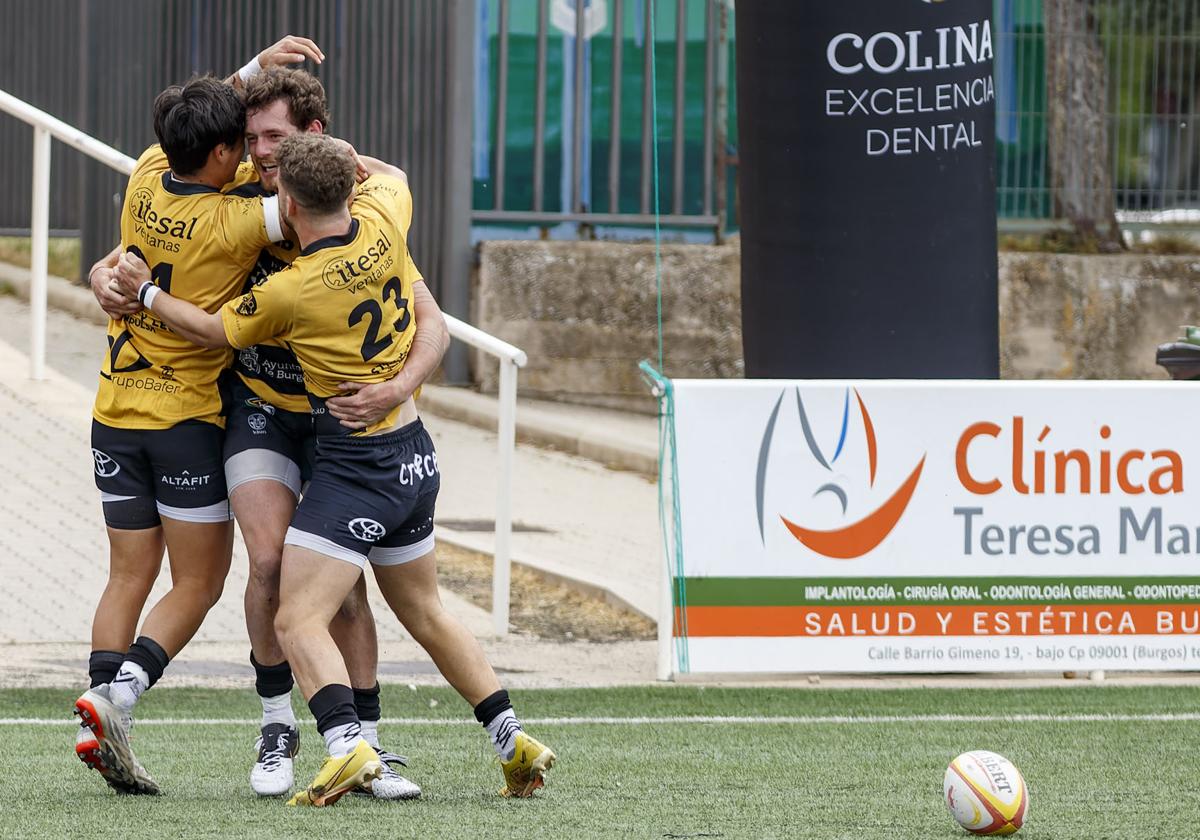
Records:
x=401, y=435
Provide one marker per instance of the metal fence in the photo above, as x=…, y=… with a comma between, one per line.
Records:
x=1147, y=69
x=567, y=97
x=398, y=75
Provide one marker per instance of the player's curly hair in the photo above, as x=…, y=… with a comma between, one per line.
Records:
x=317, y=172
x=191, y=120
x=303, y=92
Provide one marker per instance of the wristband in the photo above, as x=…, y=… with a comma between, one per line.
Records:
x=147, y=292
x=252, y=69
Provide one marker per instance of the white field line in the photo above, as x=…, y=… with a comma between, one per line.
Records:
x=795, y=720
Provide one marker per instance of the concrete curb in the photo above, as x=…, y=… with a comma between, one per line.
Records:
x=584, y=438
x=62, y=294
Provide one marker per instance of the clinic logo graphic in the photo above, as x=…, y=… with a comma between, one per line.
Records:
x=859, y=537
x=367, y=530
x=106, y=467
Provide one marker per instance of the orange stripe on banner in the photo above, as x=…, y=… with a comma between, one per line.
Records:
x=943, y=620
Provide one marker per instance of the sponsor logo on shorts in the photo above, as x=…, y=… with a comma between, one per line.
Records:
x=257, y=423
x=249, y=359
x=186, y=481
x=422, y=466
x=106, y=467
x=367, y=530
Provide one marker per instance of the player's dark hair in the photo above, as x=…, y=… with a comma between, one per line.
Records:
x=193, y=119
x=303, y=92
x=317, y=171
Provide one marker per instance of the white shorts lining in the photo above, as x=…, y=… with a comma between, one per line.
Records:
x=325, y=546
x=217, y=512
x=262, y=465
x=398, y=555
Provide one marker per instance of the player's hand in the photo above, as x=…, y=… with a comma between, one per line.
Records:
x=361, y=404
x=129, y=275
x=360, y=168
x=290, y=49
x=114, y=304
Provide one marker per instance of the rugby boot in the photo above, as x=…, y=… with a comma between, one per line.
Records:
x=339, y=776
x=524, y=772
x=390, y=784
x=87, y=748
x=273, y=773
x=111, y=728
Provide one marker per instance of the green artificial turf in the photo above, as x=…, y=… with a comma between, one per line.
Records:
x=857, y=779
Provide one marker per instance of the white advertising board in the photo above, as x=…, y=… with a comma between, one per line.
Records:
x=938, y=526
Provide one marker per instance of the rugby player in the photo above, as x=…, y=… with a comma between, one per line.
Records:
x=157, y=424
x=268, y=453
x=344, y=307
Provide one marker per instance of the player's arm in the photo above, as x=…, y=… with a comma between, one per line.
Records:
x=100, y=280
x=132, y=276
x=290, y=49
x=363, y=404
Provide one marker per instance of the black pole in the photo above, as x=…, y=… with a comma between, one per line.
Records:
x=867, y=177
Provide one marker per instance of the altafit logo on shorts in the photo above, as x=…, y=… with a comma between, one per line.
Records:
x=185, y=480
x=367, y=530
x=858, y=537
x=106, y=467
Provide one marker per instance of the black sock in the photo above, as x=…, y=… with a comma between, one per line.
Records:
x=150, y=656
x=103, y=666
x=272, y=680
x=491, y=706
x=333, y=706
x=366, y=703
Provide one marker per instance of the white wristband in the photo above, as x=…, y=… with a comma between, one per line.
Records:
x=252, y=69
x=149, y=295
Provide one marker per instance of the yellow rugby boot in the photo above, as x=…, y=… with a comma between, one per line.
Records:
x=524, y=771
x=339, y=776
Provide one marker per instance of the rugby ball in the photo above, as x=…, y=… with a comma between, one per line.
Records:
x=985, y=793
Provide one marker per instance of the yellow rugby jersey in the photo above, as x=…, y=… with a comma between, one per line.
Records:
x=270, y=369
x=199, y=245
x=344, y=306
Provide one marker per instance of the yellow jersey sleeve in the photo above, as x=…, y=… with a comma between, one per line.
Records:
x=246, y=174
x=264, y=312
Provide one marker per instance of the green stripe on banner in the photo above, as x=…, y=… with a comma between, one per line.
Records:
x=788, y=592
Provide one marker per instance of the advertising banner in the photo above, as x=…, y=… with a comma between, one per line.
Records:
x=937, y=526
x=867, y=188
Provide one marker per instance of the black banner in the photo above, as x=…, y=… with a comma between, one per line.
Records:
x=868, y=209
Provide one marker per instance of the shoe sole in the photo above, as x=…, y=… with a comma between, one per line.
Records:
x=107, y=755
x=537, y=770
x=90, y=753
x=319, y=797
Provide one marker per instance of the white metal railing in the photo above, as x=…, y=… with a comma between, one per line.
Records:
x=511, y=358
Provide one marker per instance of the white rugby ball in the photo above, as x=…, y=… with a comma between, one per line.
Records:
x=985, y=793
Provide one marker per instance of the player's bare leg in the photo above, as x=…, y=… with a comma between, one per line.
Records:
x=134, y=559
x=411, y=591
x=263, y=510
x=312, y=588
x=199, y=554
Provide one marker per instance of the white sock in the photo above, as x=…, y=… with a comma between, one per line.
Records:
x=503, y=730
x=128, y=685
x=370, y=732
x=278, y=709
x=341, y=740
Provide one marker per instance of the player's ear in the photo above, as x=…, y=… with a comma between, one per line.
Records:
x=315, y=127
